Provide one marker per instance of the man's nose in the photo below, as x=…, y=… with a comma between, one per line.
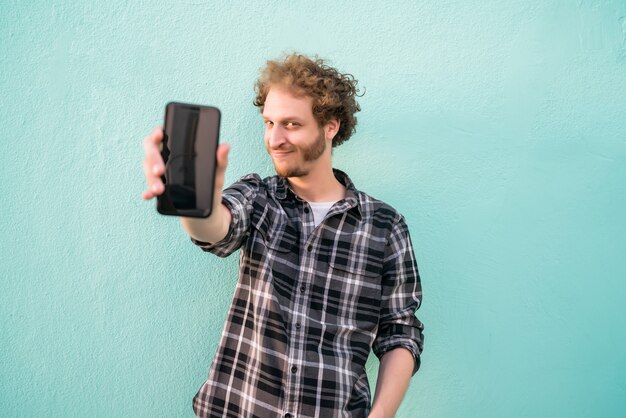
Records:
x=276, y=136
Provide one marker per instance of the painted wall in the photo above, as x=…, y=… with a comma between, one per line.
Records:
x=498, y=130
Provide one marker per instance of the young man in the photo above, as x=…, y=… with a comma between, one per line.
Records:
x=327, y=273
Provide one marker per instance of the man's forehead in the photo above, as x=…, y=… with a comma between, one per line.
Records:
x=284, y=102
x=289, y=92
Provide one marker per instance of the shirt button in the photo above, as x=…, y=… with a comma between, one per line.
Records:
x=294, y=369
x=309, y=248
x=302, y=288
x=288, y=416
x=298, y=325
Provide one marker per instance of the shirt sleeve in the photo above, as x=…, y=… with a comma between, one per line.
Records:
x=401, y=297
x=240, y=200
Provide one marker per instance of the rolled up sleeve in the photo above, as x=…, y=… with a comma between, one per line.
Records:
x=401, y=297
x=239, y=199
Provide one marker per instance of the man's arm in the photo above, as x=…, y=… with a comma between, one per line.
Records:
x=399, y=341
x=394, y=374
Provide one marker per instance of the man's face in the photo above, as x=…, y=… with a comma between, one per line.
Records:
x=293, y=137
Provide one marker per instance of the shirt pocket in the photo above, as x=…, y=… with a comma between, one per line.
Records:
x=274, y=254
x=345, y=307
x=350, y=296
x=273, y=234
x=275, y=241
x=281, y=240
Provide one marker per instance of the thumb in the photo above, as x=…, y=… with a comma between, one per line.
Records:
x=222, y=156
x=222, y=162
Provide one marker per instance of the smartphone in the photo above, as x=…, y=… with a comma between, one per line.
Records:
x=190, y=138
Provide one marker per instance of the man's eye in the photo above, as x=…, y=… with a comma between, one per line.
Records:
x=268, y=123
x=291, y=124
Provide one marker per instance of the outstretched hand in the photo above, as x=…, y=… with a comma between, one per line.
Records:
x=154, y=167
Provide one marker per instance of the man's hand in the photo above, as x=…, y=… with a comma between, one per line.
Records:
x=220, y=173
x=215, y=227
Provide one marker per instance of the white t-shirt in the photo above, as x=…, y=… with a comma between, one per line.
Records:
x=320, y=209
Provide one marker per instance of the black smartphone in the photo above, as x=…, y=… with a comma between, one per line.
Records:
x=190, y=138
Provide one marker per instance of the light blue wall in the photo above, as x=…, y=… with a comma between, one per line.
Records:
x=498, y=128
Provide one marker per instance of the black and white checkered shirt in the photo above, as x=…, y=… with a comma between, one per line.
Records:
x=310, y=304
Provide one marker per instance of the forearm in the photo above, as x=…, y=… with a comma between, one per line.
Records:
x=212, y=229
x=394, y=374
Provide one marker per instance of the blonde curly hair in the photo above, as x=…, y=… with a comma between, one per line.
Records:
x=334, y=94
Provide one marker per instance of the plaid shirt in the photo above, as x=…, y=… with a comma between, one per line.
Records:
x=310, y=304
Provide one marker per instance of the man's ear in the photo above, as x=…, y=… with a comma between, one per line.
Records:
x=331, y=128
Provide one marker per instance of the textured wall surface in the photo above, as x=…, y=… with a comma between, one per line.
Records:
x=497, y=128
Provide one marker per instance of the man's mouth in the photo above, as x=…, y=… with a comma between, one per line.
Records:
x=281, y=153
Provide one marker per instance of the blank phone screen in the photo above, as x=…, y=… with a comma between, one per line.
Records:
x=189, y=146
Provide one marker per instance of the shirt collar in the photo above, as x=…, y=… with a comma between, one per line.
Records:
x=351, y=199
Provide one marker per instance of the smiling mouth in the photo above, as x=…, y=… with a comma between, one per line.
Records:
x=280, y=154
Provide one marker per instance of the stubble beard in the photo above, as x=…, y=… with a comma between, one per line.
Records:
x=309, y=154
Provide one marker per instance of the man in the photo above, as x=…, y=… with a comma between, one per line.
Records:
x=327, y=273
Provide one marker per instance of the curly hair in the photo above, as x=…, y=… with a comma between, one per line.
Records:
x=333, y=93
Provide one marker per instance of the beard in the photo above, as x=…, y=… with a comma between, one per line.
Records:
x=309, y=154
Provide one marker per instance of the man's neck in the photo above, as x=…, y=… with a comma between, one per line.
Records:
x=320, y=185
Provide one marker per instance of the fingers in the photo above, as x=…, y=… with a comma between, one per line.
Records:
x=153, y=178
x=153, y=165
